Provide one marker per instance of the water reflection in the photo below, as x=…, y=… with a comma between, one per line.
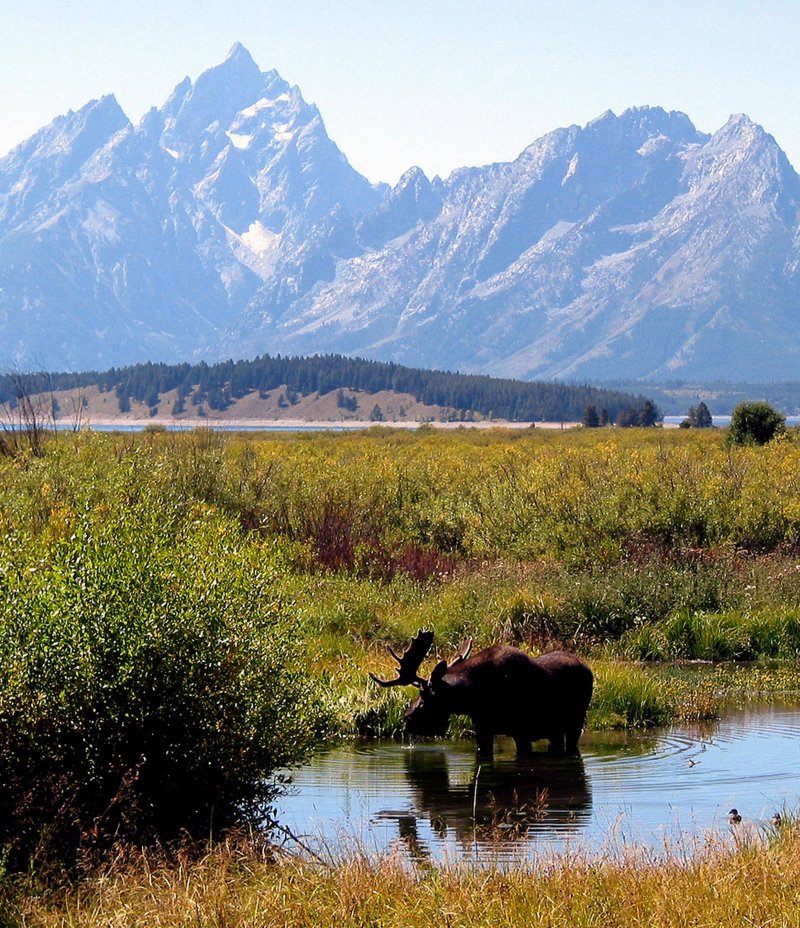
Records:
x=500, y=802
x=434, y=800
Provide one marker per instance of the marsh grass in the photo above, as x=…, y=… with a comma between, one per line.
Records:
x=747, y=879
x=722, y=636
x=649, y=545
x=627, y=697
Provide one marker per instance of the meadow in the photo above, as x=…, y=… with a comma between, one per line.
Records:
x=183, y=615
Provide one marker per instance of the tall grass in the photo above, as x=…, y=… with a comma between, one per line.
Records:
x=734, y=883
x=724, y=636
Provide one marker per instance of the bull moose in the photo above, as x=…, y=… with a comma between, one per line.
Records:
x=504, y=690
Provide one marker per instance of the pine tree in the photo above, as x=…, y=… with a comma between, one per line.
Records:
x=591, y=420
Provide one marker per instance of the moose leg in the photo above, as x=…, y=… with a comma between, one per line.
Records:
x=556, y=745
x=485, y=744
x=523, y=744
x=573, y=735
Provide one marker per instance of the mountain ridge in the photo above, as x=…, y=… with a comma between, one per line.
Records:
x=226, y=222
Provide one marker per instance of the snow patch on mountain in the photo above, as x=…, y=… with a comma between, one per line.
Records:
x=240, y=141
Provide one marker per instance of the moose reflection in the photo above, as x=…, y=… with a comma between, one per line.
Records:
x=503, y=690
x=499, y=804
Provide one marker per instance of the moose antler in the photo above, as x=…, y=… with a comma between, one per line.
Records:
x=409, y=663
x=462, y=653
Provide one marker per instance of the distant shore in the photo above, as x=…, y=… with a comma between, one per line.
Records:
x=108, y=422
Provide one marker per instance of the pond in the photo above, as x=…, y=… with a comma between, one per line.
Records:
x=660, y=789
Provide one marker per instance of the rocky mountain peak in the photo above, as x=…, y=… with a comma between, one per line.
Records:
x=229, y=223
x=240, y=57
x=33, y=172
x=211, y=102
x=638, y=127
x=82, y=131
x=411, y=200
x=743, y=156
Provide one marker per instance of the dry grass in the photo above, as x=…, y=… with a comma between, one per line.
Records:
x=752, y=881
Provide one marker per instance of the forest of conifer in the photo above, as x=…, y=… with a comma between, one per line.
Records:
x=220, y=384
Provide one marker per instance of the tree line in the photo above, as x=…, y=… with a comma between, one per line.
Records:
x=218, y=385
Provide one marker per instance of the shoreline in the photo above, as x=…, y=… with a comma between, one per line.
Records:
x=123, y=422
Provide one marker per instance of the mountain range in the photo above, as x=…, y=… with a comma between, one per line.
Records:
x=228, y=224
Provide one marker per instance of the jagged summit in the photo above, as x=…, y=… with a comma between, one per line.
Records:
x=739, y=122
x=32, y=173
x=227, y=222
x=240, y=55
x=213, y=99
x=94, y=121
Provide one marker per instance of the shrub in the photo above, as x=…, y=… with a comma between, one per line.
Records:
x=755, y=424
x=149, y=688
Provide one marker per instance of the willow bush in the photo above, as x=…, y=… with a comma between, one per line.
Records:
x=152, y=683
x=586, y=495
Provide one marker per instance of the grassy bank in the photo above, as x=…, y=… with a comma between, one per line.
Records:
x=743, y=881
x=633, y=545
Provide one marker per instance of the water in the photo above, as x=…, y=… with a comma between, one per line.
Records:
x=655, y=790
x=212, y=426
x=723, y=421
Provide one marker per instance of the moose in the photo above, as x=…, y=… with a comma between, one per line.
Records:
x=504, y=690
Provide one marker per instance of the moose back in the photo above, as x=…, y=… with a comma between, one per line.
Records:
x=504, y=691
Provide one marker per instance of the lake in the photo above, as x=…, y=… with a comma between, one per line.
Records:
x=657, y=789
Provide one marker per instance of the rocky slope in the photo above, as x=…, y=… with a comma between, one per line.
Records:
x=228, y=223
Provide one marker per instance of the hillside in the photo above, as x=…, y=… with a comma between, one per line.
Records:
x=330, y=388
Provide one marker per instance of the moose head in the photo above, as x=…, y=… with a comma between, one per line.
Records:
x=429, y=713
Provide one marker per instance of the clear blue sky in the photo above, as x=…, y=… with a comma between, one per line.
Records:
x=438, y=83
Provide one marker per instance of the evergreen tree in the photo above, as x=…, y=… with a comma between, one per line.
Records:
x=698, y=417
x=648, y=414
x=591, y=420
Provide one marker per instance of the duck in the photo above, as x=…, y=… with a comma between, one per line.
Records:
x=733, y=817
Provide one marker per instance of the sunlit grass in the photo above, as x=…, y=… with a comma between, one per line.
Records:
x=742, y=880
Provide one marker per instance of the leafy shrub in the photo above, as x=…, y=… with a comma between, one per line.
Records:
x=150, y=686
x=755, y=424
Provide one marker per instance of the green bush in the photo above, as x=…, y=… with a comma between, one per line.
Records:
x=149, y=688
x=755, y=424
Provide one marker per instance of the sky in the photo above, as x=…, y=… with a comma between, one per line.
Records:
x=436, y=83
